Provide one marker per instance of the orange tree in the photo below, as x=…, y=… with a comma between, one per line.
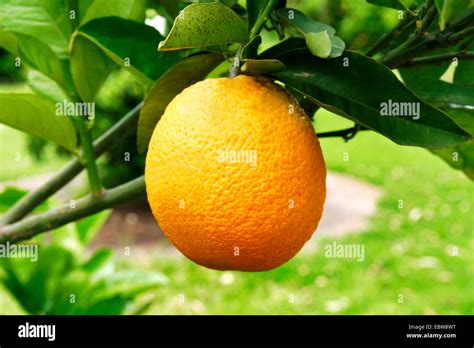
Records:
x=74, y=45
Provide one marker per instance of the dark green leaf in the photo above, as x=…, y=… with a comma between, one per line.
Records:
x=201, y=25
x=397, y=4
x=464, y=74
x=282, y=47
x=424, y=82
x=341, y=85
x=133, y=49
x=35, y=115
x=257, y=67
x=250, y=50
x=449, y=9
x=253, y=10
x=185, y=73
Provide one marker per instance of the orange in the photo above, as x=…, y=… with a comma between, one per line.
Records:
x=235, y=175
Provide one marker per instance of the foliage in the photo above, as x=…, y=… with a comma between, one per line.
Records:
x=62, y=280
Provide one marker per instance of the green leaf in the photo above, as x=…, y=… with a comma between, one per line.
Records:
x=185, y=73
x=320, y=38
x=88, y=227
x=131, y=45
x=341, y=85
x=35, y=115
x=201, y=25
x=397, y=4
x=425, y=82
x=337, y=47
x=127, y=9
x=285, y=46
x=40, y=57
x=46, y=87
x=127, y=284
x=253, y=10
x=250, y=50
x=257, y=67
x=306, y=24
x=319, y=43
x=8, y=41
x=449, y=9
x=90, y=67
x=461, y=156
x=463, y=75
x=45, y=20
x=9, y=196
x=99, y=259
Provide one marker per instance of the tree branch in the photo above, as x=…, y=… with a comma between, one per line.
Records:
x=86, y=206
x=30, y=201
x=439, y=58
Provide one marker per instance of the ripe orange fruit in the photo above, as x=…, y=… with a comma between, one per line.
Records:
x=235, y=175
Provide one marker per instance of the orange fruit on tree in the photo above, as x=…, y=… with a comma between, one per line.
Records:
x=235, y=174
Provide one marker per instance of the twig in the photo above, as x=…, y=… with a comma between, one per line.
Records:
x=30, y=201
x=421, y=43
x=391, y=35
x=86, y=206
x=346, y=134
x=428, y=18
x=439, y=58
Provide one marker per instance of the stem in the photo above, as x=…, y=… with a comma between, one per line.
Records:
x=235, y=67
x=439, y=58
x=30, y=201
x=346, y=134
x=262, y=18
x=429, y=17
x=88, y=156
x=86, y=206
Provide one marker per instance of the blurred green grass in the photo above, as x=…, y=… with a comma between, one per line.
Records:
x=409, y=252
